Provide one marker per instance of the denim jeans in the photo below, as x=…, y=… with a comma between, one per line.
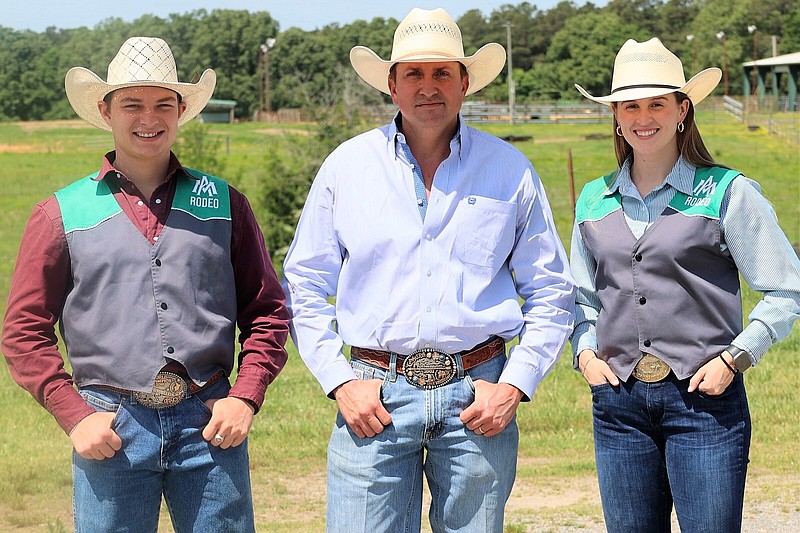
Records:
x=375, y=484
x=656, y=443
x=206, y=489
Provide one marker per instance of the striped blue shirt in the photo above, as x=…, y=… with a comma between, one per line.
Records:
x=750, y=234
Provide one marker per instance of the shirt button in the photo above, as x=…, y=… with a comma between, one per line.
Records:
x=428, y=237
x=158, y=200
x=642, y=300
x=140, y=202
x=428, y=309
x=428, y=273
x=427, y=345
x=419, y=201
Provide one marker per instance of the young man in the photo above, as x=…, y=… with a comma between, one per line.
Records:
x=148, y=267
x=427, y=231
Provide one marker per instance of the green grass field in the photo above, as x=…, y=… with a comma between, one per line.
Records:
x=289, y=437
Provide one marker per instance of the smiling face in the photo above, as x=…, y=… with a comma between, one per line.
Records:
x=650, y=125
x=429, y=95
x=144, y=122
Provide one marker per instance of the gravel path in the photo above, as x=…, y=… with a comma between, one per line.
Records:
x=762, y=517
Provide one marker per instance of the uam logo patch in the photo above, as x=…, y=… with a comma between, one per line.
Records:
x=207, y=187
x=701, y=195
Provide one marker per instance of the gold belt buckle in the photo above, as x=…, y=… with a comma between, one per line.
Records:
x=650, y=369
x=168, y=391
x=429, y=369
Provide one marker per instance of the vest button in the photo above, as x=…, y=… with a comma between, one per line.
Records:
x=642, y=300
x=638, y=257
x=158, y=262
x=170, y=350
x=164, y=306
x=646, y=343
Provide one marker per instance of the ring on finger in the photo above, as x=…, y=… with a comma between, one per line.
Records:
x=481, y=431
x=218, y=438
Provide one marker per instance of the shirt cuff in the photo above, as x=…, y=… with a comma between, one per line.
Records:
x=756, y=339
x=68, y=408
x=334, y=375
x=250, y=388
x=583, y=338
x=522, y=377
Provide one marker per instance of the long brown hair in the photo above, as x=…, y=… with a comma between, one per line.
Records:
x=690, y=143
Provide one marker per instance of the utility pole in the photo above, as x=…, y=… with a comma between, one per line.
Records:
x=510, y=76
x=265, y=48
x=754, y=30
x=721, y=37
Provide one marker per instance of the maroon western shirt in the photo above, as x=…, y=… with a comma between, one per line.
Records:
x=42, y=278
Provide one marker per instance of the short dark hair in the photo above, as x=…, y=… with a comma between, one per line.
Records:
x=107, y=98
x=393, y=72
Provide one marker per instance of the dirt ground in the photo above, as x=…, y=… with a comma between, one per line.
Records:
x=772, y=505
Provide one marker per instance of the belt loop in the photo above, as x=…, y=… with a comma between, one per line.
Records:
x=393, y=367
x=459, y=366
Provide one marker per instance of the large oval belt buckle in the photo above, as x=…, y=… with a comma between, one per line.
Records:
x=650, y=369
x=168, y=391
x=428, y=369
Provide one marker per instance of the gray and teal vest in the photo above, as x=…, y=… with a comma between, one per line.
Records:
x=133, y=304
x=672, y=292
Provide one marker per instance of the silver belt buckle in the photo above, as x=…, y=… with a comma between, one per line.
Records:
x=650, y=369
x=428, y=369
x=168, y=391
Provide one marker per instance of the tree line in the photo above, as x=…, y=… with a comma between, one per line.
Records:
x=552, y=49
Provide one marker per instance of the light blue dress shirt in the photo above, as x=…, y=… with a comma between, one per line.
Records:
x=448, y=276
x=749, y=233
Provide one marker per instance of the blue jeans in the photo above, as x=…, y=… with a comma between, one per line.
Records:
x=163, y=453
x=656, y=443
x=375, y=484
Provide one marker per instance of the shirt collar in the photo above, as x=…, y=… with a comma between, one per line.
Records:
x=458, y=144
x=680, y=178
x=108, y=167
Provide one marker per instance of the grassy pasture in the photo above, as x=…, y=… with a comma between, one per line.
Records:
x=289, y=437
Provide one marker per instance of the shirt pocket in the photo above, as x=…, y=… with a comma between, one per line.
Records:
x=485, y=231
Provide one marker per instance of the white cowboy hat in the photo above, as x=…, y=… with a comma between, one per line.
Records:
x=141, y=62
x=646, y=70
x=429, y=36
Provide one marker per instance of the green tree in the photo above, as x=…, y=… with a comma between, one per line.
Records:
x=197, y=148
x=583, y=52
x=791, y=37
x=291, y=162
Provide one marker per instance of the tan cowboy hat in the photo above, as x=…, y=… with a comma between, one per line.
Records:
x=141, y=62
x=429, y=36
x=645, y=70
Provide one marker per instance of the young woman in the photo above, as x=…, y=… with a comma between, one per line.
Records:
x=657, y=251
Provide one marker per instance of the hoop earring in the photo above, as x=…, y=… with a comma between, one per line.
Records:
x=681, y=127
x=619, y=131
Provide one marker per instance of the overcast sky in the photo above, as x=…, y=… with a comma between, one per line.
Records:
x=38, y=15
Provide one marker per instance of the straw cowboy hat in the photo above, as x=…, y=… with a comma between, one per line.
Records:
x=645, y=70
x=141, y=62
x=429, y=37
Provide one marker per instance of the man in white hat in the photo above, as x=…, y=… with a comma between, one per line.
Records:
x=148, y=267
x=427, y=231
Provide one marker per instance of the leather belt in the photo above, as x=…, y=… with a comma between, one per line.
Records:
x=169, y=389
x=428, y=368
x=651, y=369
